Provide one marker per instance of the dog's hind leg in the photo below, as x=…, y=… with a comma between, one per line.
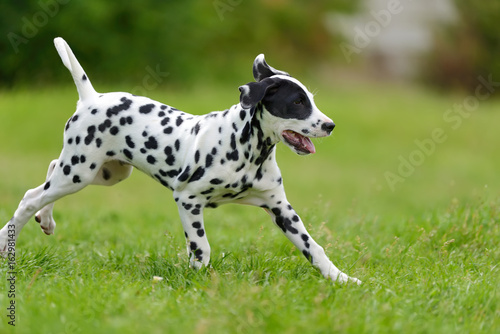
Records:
x=109, y=174
x=65, y=179
x=44, y=216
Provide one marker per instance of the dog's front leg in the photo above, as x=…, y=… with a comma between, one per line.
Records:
x=198, y=248
x=285, y=217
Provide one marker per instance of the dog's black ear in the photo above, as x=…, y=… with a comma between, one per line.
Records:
x=253, y=92
x=262, y=70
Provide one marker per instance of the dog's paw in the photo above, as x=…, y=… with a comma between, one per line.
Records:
x=342, y=278
x=46, y=221
x=3, y=242
x=195, y=264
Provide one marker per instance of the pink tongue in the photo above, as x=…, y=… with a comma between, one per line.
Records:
x=307, y=144
x=299, y=142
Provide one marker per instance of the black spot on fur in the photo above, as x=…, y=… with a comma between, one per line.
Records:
x=234, y=155
x=98, y=142
x=146, y=109
x=245, y=134
x=67, y=124
x=197, y=252
x=75, y=160
x=162, y=181
x=94, y=111
x=114, y=130
x=209, y=160
x=216, y=181
x=177, y=145
x=168, y=130
x=173, y=173
x=179, y=121
x=84, y=77
x=104, y=125
x=129, y=142
x=184, y=175
x=151, y=159
x=196, y=128
x=128, y=154
x=258, y=174
x=170, y=160
x=198, y=174
x=308, y=255
x=110, y=153
x=233, y=141
x=92, y=166
x=67, y=170
x=125, y=105
x=47, y=186
x=90, y=135
x=106, y=174
x=76, y=179
x=165, y=121
x=151, y=143
x=126, y=120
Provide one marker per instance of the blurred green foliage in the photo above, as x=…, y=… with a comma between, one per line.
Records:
x=468, y=49
x=189, y=39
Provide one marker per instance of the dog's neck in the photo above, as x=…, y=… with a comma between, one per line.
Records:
x=262, y=135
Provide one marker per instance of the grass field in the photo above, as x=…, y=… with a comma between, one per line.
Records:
x=405, y=196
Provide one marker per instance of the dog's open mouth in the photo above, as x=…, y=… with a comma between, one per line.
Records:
x=300, y=143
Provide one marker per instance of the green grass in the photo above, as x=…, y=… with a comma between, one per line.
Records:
x=426, y=250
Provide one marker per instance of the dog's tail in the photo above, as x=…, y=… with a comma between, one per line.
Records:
x=83, y=85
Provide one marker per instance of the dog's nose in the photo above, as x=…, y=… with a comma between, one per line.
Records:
x=328, y=127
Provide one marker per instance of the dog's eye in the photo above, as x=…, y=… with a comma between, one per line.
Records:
x=298, y=101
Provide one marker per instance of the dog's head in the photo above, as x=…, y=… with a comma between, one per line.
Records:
x=291, y=106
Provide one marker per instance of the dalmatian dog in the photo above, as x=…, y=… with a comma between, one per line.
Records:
x=221, y=157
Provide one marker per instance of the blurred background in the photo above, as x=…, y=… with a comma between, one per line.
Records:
x=412, y=86
x=445, y=43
